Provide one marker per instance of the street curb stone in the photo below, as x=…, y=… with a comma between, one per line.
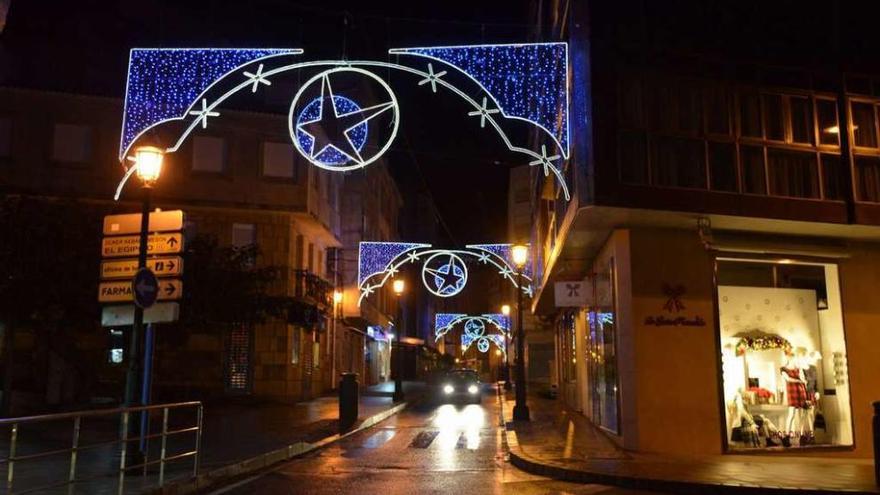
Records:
x=549, y=469
x=214, y=477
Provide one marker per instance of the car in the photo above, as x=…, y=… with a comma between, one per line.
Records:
x=461, y=385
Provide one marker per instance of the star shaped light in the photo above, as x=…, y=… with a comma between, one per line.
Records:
x=484, y=112
x=204, y=113
x=412, y=257
x=433, y=78
x=546, y=161
x=332, y=129
x=449, y=278
x=483, y=258
x=257, y=78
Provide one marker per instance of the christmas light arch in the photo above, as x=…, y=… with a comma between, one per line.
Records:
x=526, y=82
x=475, y=329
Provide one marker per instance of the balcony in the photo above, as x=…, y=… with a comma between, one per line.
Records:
x=311, y=288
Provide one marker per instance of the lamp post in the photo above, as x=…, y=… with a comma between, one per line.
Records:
x=505, y=310
x=520, y=254
x=337, y=300
x=148, y=163
x=398, y=286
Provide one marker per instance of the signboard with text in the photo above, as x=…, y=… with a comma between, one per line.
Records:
x=162, y=266
x=160, y=221
x=121, y=291
x=129, y=245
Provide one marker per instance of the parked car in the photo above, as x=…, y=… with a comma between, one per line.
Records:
x=460, y=385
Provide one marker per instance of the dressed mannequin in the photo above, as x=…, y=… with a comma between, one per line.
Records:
x=810, y=370
x=745, y=421
x=796, y=396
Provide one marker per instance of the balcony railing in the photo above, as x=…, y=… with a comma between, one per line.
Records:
x=312, y=288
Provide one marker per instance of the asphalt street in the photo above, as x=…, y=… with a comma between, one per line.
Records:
x=427, y=449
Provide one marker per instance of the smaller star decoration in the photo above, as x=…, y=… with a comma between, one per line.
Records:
x=412, y=257
x=257, y=78
x=433, y=78
x=545, y=161
x=484, y=112
x=483, y=258
x=204, y=113
x=449, y=278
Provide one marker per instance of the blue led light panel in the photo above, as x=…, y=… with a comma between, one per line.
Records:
x=375, y=257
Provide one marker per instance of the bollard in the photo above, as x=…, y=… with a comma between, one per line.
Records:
x=877, y=442
x=348, y=401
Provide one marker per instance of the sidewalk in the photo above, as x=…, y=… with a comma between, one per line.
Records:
x=234, y=432
x=562, y=444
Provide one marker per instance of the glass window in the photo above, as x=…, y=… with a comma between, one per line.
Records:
x=722, y=166
x=784, y=379
x=717, y=110
x=774, y=119
x=602, y=351
x=295, y=343
x=278, y=160
x=689, y=108
x=833, y=179
x=633, y=157
x=209, y=154
x=868, y=178
x=243, y=234
x=5, y=137
x=801, y=119
x=793, y=174
x=754, y=179
x=750, y=114
x=864, y=129
x=72, y=143
x=826, y=112
x=679, y=162
x=631, y=108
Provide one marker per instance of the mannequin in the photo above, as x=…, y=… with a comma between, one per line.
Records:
x=808, y=364
x=796, y=396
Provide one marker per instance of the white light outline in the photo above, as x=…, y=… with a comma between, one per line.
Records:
x=443, y=330
x=320, y=115
x=358, y=163
x=452, y=258
x=368, y=63
x=565, y=149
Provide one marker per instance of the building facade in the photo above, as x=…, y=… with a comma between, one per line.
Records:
x=725, y=216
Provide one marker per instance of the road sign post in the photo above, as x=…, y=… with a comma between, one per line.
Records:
x=145, y=288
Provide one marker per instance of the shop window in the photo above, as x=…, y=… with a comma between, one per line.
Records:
x=602, y=352
x=278, y=160
x=864, y=128
x=750, y=114
x=754, y=178
x=679, y=162
x=72, y=143
x=117, y=347
x=868, y=178
x=722, y=166
x=833, y=178
x=782, y=355
x=633, y=157
x=793, y=174
x=774, y=120
x=209, y=154
x=826, y=113
x=801, y=119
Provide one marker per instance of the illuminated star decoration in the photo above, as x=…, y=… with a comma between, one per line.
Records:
x=450, y=278
x=432, y=78
x=546, y=161
x=204, y=113
x=258, y=78
x=340, y=126
x=484, y=111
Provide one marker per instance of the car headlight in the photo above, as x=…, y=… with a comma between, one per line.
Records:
x=448, y=389
x=473, y=389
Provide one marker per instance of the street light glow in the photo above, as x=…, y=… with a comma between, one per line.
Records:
x=148, y=160
x=505, y=309
x=337, y=296
x=398, y=286
x=520, y=254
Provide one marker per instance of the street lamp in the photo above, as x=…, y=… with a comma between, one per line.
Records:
x=398, y=286
x=505, y=310
x=337, y=300
x=520, y=255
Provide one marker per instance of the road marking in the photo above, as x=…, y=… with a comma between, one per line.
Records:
x=424, y=439
x=378, y=439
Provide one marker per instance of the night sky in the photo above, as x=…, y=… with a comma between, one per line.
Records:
x=82, y=47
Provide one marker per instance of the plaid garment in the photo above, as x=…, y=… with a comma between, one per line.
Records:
x=795, y=392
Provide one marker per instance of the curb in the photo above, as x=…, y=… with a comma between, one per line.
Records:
x=532, y=465
x=216, y=476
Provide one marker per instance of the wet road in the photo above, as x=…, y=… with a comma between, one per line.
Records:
x=426, y=449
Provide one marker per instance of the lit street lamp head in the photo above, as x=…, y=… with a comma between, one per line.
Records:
x=148, y=160
x=520, y=255
x=505, y=310
x=337, y=297
x=398, y=286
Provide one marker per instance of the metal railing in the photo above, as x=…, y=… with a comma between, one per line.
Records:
x=311, y=286
x=123, y=440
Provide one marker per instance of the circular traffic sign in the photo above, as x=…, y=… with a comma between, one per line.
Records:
x=145, y=287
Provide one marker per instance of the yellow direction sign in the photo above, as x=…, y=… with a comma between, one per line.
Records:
x=160, y=221
x=162, y=266
x=129, y=245
x=169, y=289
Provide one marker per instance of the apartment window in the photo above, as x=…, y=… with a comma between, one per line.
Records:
x=801, y=120
x=793, y=173
x=295, y=343
x=679, y=162
x=72, y=143
x=833, y=179
x=864, y=127
x=750, y=115
x=244, y=235
x=278, y=160
x=722, y=166
x=633, y=157
x=676, y=107
x=754, y=178
x=774, y=120
x=826, y=113
x=717, y=104
x=5, y=137
x=117, y=345
x=631, y=104
x=868, y=174
x=209, y=154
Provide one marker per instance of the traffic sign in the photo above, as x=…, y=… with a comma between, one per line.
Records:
x=145, y=286
x=162, y=266
x=120, y=290
x=160, y=221
x=129, y=245
x=118, y=315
